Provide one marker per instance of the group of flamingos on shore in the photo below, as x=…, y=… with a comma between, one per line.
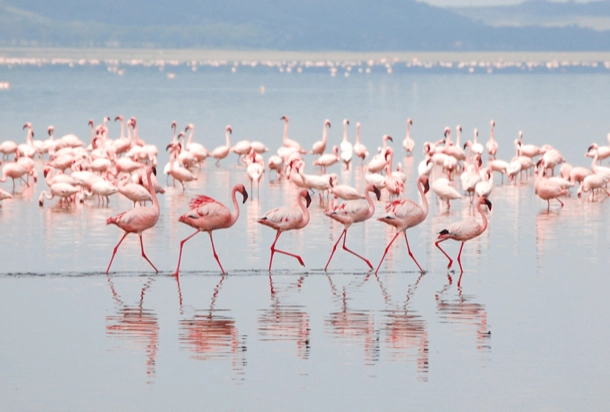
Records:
x=94, y=171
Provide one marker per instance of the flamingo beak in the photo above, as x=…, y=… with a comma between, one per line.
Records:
x=245, y=195
x=168, y=146
x=488, y=203
x=465, y=145
x=426, y=187
x=330, y=181
x=154, y=170
x=24, y=126
x=117, y=118
x=377, y=192
x=308, y=199
x=390, y=139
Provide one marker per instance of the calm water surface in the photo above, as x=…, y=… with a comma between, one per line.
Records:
x=524, y=327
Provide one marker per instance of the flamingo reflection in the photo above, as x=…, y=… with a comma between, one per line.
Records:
x=282, y=322
x=136, y=325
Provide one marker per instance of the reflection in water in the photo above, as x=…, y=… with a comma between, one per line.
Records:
x=354, y=325
x=282, y=322
x=135, y=324
x=464, y=313
x=210, y=335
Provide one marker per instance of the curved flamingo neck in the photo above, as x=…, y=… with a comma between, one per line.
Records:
x=174, y=137
x=457, y=138
x=92, y=134
x=305, y=218
x=408, y=130
x=325, y=134
x=492, y=137
x=345, y=132
x=228, y=140
x=122, y=128
x=235, y=213
x=28, y=138
x=285, y=131
x=484, y=225
x=358, y=134
x=191, y=135
x=369, y=200
x=151, y=189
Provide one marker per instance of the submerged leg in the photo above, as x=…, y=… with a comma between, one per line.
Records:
x=180, y=255
x=114, y=252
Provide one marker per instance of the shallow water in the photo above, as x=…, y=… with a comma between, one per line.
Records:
x=524, y=326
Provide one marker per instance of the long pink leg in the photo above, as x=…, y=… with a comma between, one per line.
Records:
x=215, y=255
x=410, y=253
x=114, y=252
x=180, y=255
x=459, y=259
x=386, y=251
x=354, y=253
x=334, y=248
x=444, y=253
x=144, y=255
x=273, y=250
x=562, y=202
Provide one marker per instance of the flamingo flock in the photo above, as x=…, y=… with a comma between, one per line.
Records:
x=76, y=172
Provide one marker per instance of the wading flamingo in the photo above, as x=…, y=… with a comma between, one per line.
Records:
x=319, y=146
x=408, y=143
x=350, y=212
x=404, y=214
x=207, y=215
x=463, y=231
x=287, y=218
x=137, y=220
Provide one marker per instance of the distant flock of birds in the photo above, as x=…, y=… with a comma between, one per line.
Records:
x=127, y=165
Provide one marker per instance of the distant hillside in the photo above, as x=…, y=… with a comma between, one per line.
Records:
x=593, y=15
x=385, y=25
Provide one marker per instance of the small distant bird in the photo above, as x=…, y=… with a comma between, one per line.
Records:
x=463, y=231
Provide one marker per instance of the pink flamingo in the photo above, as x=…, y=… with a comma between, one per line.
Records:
x=137, y=220
x=207, y=215
x=350, y=212
x=463, y=231
x=404, y=214
x=287, y=218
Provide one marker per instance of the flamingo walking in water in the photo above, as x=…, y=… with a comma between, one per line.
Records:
x=287, y=218
x=137, y=220
x=463, y=231
x=207, y=215
x=404, y=214
x=350, y=212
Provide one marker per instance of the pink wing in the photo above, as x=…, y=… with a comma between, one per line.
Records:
x=402, y=207
x=200, y=200
x=348, y=208
x=212, y=208
x=283, y=215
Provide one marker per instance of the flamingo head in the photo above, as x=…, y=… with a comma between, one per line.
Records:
x=493, y=123
x=377, y=192
x=468, y=143
x=327, y=123
x=345, y=122
x=520, y=135
x=90, y=123
x=409, y=121
x=459, y=128
x=27, y=125
x=153, y=170
x=331, y=180
x=228, y=129
x=476, y=132
x=387, y=137
x=50, y=130
x=336, y=150
x=447, y=132
x=284, y=118
x=190, y=126
x=241, y=189
x=174, y=125
x=46, y=171
x=486, y=201
x=181, y=135
x=107, y=119
x=119, y=117
x=426, y=182
x=388, y=153
x=133, y=121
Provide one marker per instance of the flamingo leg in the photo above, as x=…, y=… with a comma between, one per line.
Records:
x=386, y=251
x=144, y=255
x=444, y=253
x=562, y=202
x=215, y=255
x=459, y=258
x=273, y=250
x=354, y=253
x=180, y=255
x=114, y=252
x=334, y=248
x=410, y=253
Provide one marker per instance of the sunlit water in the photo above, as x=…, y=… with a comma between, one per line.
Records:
x=524, y=327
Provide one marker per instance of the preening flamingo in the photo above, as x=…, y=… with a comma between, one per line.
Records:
x=404, y=214
x=350, y=212
x=287, y=218
x=207, y=215
x=137, y=220
x=463, y=231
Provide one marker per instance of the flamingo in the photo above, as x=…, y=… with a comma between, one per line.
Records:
x=328, y=159
x=259, y=147
x=378, y=162
x=463, y=231
x=122, y=144
x=350, y=212
x=404, y=214
x=14, y=171
x=347, y=150
x=133, y=191
x=359, y=148
x=61, y=190
x=344, y=192
x=603, y=152
x=275, y=163
x=137, y=220
x=206, y=215
x=222, y=151
x=241, y=148
x=319, y=146
x=287, y=218
x=445, y=191
x=408, y=143
x=547, y=189
x=289, y=142
x=179, y=173
x=197, y=149
x=255, y=171
x=492, y=145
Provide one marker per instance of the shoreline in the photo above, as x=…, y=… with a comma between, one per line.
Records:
x=188, y=55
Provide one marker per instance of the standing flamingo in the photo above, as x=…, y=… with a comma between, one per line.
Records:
x=287, y=218
x=463, y=231
x=347, y=150
x=138, y=220
x=492, y=145
x=359, y=148
x=319, y=146
x=222, y=151
x=404, y=214
x=207, y=215
x=350, y=212
x=408, y=143
x=289, y=142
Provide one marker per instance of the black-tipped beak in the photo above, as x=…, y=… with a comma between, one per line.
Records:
x=428, y=161
x=330, y=182
x=590, y=147
x=154, y=170
x=308, y=199
x=377, y=192
x=465, y=145
x=24, y=126
x=245, y=195
x=488, y=203
x=168, y=146
x=117, y=118
x=426, y=187
x=390, y=139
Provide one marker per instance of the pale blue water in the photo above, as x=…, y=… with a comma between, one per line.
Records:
x=525, y=329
